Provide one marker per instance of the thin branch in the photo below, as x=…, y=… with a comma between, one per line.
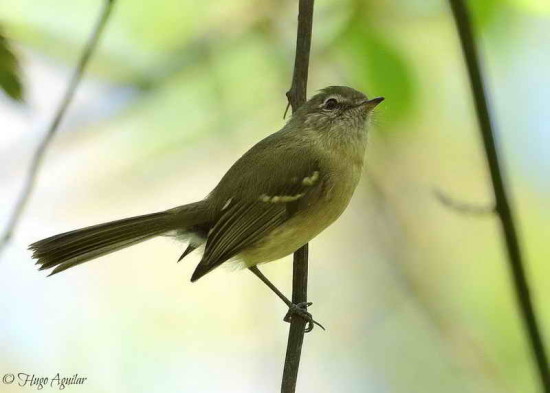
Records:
x=461, y=206
x=297, y=94
x=38, y=156
x=297, y=325
x=502, y=205
x=296, y=97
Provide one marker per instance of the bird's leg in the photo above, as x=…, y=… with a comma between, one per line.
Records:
x=299, y=309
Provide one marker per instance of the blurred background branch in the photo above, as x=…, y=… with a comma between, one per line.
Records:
x=461, y=206
x=297, y=95
x=502, y=205
x=39, y=154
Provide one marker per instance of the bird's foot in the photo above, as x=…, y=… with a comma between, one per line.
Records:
x=300, y=310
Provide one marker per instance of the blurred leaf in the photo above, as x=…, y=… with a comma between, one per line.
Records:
x=379, y=64
x=484, y=11
x=10, y=80
x=537, y=7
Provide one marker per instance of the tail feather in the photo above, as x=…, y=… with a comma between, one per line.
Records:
x=69, y=249
x=80, y=242
x=79, y=259
x=80, y=235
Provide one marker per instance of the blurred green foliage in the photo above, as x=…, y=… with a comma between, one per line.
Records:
x=380, y=68
x=10, y=78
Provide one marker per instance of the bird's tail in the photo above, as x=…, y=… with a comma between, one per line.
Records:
x=69, y=249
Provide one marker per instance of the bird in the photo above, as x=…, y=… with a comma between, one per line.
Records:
x=277, y=197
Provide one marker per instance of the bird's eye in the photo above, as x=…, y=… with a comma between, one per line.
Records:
x=330, y=104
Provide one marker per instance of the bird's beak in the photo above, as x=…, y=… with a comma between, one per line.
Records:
x=371, y=104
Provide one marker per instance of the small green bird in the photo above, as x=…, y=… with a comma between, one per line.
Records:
x=277, y=197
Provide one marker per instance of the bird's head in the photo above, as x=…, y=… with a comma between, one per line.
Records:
x=337, y=109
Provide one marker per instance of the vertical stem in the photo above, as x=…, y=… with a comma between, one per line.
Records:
x=503, y=209
x=297, y=94
x=297, y=325
x=38, y=156
x=296, y=97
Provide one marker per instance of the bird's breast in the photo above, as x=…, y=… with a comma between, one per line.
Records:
x=338, y=187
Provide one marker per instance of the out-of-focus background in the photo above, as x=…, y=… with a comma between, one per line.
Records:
x=416, y=297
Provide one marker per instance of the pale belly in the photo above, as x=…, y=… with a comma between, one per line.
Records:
x=303, y=227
